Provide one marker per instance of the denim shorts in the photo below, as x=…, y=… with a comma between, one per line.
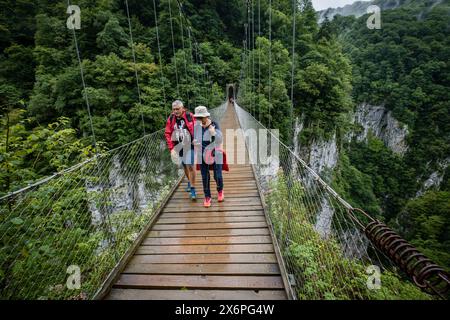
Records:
x=188, y=159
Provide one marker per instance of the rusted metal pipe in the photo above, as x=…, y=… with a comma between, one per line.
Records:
x=427, y=275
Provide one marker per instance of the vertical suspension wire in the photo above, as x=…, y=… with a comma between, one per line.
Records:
x=203, y=76
x=245, y=60
x=197, y=61
x=259, y=59
x=270, y=61
x=249, y=66
x=182, y=44
x=192, y=63
x=241, y=75
x=253, y=57
x=198, y=55
x=206, y=83
x=86, y=98
x=173, y=47
x=293, y=68
x=104, y=209
x=210, y=88
x=159, y=56
x=135, y=68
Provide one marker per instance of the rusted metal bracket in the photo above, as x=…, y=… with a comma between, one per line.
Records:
x=427, y=275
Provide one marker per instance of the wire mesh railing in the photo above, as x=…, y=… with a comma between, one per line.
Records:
x=325, y=249
x=61, y=237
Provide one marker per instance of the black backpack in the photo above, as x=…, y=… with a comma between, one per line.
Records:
x=188, y=117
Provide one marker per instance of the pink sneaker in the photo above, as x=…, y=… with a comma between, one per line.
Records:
x=207, y=202
x=221, y=196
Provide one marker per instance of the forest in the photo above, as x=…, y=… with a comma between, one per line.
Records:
x=190, y=50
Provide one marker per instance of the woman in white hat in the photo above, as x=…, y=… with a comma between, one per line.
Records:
x=208, y=136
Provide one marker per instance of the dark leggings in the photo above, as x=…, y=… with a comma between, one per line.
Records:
x=206, y=177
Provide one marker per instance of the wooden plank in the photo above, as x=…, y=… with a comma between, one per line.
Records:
x=206, y=258
x=105, y=287
x=238, y=186
x=198, y=281
x=202, y=233
x=234, y=171
x=142, y=294
x=182, y=204
x=243, y=213
x=207, y=240
x=237, y=183
x=229, y=193
x=235, y=194
x=223, y=219
x=183, y=198
x=238, y=176
x=198, y=268
x=238, y=179
x=210, y=226
x=231, y=190
x=232, y=181
x=207, y=248
x=227, y=246
x=214, y=207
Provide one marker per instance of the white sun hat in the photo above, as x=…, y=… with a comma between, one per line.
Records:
x=201, y=112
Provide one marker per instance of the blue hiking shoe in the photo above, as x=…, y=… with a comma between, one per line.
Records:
x=193, y=194
x=188, y=188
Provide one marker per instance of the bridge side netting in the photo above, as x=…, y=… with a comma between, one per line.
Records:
x=83, y=220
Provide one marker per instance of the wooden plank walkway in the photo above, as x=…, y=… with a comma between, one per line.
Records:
x=222, y=252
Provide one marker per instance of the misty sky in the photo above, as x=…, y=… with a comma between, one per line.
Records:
x=324, y=4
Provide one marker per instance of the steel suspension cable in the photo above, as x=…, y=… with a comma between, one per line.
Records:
x=193, y=63
x=197, y=49
x=86, y=98
x=270, y=62
x=159, y=56
x=253, y=57
x=135, y=67
x=182, y=43
x=293, y=67
x=259, y=59
x=173, y=47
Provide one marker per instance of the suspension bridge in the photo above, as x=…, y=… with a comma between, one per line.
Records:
x=119, y=225
x=132, y=233
x=223, y=252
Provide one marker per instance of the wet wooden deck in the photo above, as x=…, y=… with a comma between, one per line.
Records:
x=222, y=252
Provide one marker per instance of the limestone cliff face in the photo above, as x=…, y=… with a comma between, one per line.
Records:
x=138, y=194
x=380, y=122
x=356, y=9
x=435, y=179
x=359, y=8
x=322, y=155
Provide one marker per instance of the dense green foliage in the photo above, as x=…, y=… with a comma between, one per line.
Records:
x=41, y=80
x=321, y=79
x=342, y=64
x=319, y=266
x=45, y=126
x=404, y=67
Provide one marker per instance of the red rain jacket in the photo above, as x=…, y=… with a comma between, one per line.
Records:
x=210, y=159
x=188, y=119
